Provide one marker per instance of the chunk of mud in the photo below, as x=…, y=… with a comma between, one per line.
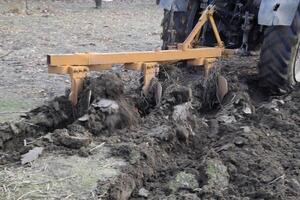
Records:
x=185, y=181
x=169, y=74
x=182, y=133
x=124, y=188
x=176, y=94
x=110, y=115
x=71, y=139
x=108, y=86
x=55, y=114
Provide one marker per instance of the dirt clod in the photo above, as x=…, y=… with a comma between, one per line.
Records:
x=183, y=180
x=182, y=133
x=73, y=140
x=108, y=86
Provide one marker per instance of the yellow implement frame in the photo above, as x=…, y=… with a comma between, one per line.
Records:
x=79, y=64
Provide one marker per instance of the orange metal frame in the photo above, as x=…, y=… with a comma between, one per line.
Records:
x=78, y=65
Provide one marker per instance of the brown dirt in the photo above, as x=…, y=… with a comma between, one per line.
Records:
x=246, y=149
x=187, y=148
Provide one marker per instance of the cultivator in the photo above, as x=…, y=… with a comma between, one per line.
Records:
x=78, y=65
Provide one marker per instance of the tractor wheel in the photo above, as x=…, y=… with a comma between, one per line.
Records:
x=279, y=66
x=98, y=3
x=177, y=25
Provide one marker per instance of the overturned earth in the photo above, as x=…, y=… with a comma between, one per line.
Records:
x=119, y=144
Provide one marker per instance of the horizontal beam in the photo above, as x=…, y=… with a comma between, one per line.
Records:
x=88, y=59
x=66, y=69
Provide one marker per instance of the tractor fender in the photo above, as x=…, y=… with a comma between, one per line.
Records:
x=277, y=12
x=175, y=5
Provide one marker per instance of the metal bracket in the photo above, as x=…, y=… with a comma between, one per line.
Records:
x=77, y=75
x=208, y=64
x=150, y=70
x=207, y=15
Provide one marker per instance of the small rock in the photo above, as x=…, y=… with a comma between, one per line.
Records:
x=247, y=110
x=239, y=142
x=183, y=180
x=143, y=193
x=84, y=118
x=246, y=129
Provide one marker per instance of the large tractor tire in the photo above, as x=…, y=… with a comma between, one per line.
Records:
x=177, y=25
x=279, y=66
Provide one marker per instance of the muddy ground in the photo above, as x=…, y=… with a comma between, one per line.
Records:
x=117, y=145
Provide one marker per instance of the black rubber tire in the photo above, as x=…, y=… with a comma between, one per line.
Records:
x=98, y=3
x=278, y=56
x=181, y=23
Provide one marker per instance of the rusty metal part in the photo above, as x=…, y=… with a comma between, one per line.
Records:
x=77, y=65
x=77, y=76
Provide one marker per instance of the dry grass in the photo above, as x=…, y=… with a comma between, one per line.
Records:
x=57, y=177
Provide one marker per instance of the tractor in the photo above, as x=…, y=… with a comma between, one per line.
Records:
x=271, y=26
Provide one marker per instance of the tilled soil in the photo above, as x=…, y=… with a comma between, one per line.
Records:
x=119, y=145
x=245, y=148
